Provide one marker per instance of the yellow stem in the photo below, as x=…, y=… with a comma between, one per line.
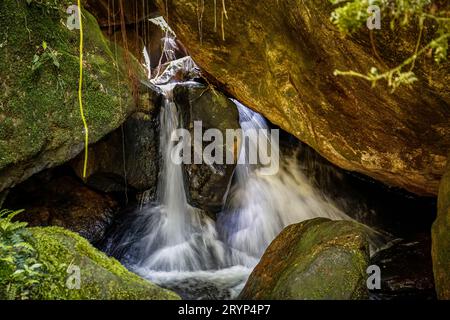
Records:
x=80, y=94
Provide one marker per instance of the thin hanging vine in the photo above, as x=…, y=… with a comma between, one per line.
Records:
x=80, y=95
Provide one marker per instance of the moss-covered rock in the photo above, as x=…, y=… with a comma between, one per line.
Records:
x=40, y=123
x=101, y=277
x=441, y=240
x=317, y=259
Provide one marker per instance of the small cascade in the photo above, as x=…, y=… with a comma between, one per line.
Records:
x=178, y=237
x=260, y=206
x=178, y=246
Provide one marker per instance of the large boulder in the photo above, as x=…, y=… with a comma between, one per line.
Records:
x=40, y=122
x=127, y=159
x=100, y=277
x=441, y=240
x=207, y=185
x=318, y=259
x=278, y=58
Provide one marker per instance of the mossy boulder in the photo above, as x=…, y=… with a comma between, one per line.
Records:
x=318, y=259
x=278, y=58
x=441, y=240
x=101, y=277
x=40, y=123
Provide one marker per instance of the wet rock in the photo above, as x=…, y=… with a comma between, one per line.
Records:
x=127, y=159
x=406, y=271
x=278, y=58
x=64, y=201
x=441, y=240
x=182, y=70
x=40, y=124
x=207, y=185
x=317, y=259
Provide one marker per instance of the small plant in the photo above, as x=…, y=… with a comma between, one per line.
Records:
x=20, y=270
x=45, y=54
x=351, y=15
x=47, y=5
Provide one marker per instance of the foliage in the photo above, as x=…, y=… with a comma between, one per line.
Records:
x=351, y=15
x=45, y=54
x=47, y=5
x=34, y=265
x=20, y=270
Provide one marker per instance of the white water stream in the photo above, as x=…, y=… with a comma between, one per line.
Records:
x=180, y=247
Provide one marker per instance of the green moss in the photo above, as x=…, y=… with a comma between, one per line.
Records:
x=101, y=277
x=41, y=105
x=334, y=255
x=317, y=259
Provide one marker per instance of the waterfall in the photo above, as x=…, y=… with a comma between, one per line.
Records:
x=178, y=246
x=177, y=237
x=260, y=206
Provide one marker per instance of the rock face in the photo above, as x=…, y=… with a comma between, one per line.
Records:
x=126, y=159
x=406, y=271
x=207, y=185
x=64, y=202
x=278, y=58
x=101, y=277
x=40, y=123
x=441, y=240
x=108, y=11
x=317, y=259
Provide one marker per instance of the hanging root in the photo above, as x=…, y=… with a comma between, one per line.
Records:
x=200, y=12
x=224, y=14
x=215, y=16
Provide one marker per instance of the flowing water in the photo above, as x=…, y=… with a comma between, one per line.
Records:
x=179, y=247
x=259, y=206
